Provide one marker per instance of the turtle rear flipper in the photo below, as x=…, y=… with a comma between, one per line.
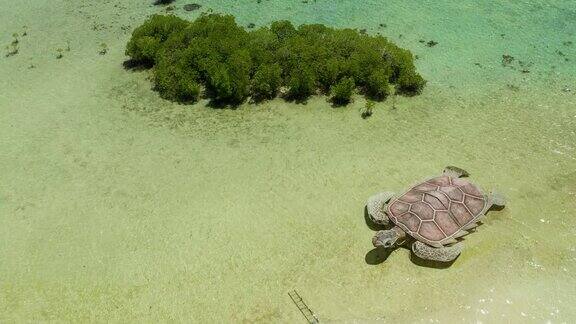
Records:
x=440, y=254
x=497, y=199
x=455, y=172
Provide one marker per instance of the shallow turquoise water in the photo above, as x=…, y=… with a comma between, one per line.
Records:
x=118, y=206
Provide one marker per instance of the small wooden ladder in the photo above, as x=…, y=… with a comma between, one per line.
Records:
x=304, y=309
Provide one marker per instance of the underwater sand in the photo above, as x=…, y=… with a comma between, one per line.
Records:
x=116, y=205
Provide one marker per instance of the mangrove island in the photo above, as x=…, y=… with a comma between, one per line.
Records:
x=221, y=60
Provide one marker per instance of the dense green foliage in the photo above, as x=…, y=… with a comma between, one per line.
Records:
x=266, y=81
x=147, y=39
x=231, y=64
x=342, y=91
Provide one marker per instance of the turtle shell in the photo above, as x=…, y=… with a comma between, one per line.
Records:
x=436, y=210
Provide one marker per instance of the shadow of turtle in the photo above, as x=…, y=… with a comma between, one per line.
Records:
x=495, y=208
x=377, y=256
x=431, y=264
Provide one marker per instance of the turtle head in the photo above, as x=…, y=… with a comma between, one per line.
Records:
x=386, y=238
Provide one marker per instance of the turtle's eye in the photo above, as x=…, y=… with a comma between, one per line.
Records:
x=387, y=244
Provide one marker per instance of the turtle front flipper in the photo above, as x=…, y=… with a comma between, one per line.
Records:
x=376, y=206
x=441, y=254
x=455, y=172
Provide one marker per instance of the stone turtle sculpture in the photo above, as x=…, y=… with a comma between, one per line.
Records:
x=431, y=215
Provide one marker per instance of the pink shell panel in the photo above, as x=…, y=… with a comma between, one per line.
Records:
x=435, y=210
